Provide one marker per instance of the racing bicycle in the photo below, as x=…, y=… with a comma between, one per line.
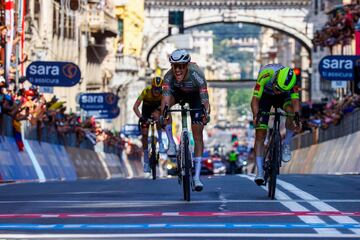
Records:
x=153, y=153
x=183, y=156
x=272, y=161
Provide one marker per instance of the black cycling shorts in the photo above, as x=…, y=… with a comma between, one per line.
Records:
x=149, y=108
x=267, y=101
x=194, y=100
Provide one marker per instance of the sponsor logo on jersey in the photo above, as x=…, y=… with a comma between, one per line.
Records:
x=198, y=78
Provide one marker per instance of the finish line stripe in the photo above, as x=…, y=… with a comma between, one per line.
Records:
x=177, y=214
x=172, y=226
x=179, y=235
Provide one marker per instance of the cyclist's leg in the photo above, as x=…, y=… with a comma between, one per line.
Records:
x=170, y=101
x=146, y=112
x=156, y=114
x=260, y=135
x=289, y=125
x=197, y=128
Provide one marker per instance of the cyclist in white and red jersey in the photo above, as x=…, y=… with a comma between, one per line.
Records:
x=186, y=81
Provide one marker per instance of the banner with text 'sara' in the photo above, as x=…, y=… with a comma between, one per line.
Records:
x=98, y=101
x=111, y=113
x=340, y=68
x=53, y=74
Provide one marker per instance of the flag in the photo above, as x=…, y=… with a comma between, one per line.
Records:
x=9, y=22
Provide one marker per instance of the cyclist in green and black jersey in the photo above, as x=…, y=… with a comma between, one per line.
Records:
x=275, y=86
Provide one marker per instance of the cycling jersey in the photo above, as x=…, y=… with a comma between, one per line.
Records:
x=194, y=82
x=150, y=103
x=147, y=97
x=265, y=81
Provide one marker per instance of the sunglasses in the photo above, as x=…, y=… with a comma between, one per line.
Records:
x=178, y=66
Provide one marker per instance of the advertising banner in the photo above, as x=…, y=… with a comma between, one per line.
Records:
x=339, y=67
x=106, y=113
x=98, y=101
x=53, y=74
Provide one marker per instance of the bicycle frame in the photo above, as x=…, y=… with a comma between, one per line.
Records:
x=154, y=156
x=273, y=164
x=184, y=160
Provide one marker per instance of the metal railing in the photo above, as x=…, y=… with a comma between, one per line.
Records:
x=348, y=125
x=50, y=135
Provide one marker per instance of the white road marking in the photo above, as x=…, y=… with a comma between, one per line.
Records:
x=38, y=169
x=127, y=165
x=294, y=206
x=322, y=206
x=164, y=202
x=179, y=235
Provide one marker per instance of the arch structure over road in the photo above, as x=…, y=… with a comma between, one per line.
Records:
x=287, y=16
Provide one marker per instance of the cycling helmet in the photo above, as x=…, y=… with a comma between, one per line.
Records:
x=179, y=56
x=157, y=82
x=286, y=79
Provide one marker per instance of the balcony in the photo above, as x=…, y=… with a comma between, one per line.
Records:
x=126, y=63
x=126, y=70
x=103, y=22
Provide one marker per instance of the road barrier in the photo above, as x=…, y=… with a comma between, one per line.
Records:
x=58, y=158
x=348, y=125
x=340, y=155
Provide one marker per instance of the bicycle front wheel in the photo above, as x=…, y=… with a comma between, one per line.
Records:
x=274, y=166
x=186, y=178
x=153, y=158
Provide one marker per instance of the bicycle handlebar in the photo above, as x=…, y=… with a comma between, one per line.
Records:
x=274, y=113
x=167, y=110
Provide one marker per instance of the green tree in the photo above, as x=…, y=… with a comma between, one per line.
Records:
x=239, y=99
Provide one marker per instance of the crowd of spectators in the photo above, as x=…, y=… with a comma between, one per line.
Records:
x=340, y=27
x=32, y=106
x=327, y=114
x=21, y=103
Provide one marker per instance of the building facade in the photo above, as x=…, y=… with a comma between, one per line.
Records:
x=129, y=42
x=57, y=32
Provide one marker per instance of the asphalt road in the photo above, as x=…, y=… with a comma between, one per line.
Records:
x=231, y=207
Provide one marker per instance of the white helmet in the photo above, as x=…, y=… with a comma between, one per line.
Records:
x=179, y=56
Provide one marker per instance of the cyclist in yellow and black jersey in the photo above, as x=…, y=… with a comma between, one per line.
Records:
x=150, y=98
x=275, y=86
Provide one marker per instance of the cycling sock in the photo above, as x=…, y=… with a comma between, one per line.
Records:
x=288, y=136
x=146, y=156
x=197, y=161
x=259, y=163
x=168, y=129
x=159, y=136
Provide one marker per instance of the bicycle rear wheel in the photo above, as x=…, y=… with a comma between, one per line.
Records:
x=186, y=158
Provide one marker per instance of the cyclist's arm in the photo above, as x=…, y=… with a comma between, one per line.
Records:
x=136, y=108
x=294, y=93
x=255, y=107
x=138, y=102
x=296, y=105
x=166, y=94
x=200, y=81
